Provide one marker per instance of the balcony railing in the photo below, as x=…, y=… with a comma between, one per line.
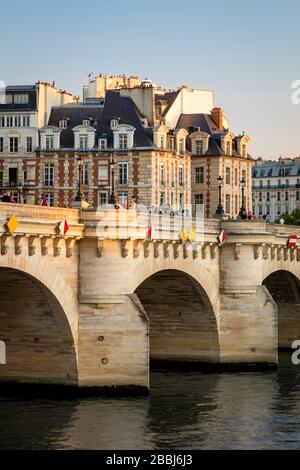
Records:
x=276, y=186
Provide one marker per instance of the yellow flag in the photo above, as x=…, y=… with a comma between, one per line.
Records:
x=192, y=235
x=13, y=224
x=184, y=235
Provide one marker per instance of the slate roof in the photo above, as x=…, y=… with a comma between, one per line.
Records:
x=30, y=90
x=75, y=114
x=204, y=122
x=115, y=105
x=169, y=97
x=276, y=169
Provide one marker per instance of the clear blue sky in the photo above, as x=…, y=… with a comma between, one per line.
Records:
x=247, y=51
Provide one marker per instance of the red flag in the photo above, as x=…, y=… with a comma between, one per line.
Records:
x=63, y=227
x=151, y=232
x=222, y=237
x=292, y=241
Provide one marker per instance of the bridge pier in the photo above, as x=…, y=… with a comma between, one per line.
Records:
x=248, y=313
x=113, y=349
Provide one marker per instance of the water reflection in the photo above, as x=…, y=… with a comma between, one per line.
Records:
x=190, y=410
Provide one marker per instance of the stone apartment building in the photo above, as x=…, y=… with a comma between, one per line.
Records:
x=158, y=147
x=276, y=187
x=23, y=110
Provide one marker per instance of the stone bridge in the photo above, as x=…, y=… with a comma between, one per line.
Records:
x=94, y=307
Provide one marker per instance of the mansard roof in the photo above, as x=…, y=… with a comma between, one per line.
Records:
x=100, y=118
x=204, y=122
x=276, y=169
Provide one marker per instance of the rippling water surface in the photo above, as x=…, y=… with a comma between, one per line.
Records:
x=185, y=410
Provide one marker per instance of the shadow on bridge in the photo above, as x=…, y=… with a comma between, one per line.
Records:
x=285, y=290
x=39, y=342
x=183, y=324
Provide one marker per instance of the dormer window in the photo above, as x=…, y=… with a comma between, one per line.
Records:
x=162, y=142
x=123, y=141
x=86, y=122
x=181, y=146
x=114, y=123
x=228, y=148
x=123, y=137
x=102, y=144
x=83, y=142
x=244, y=150
x=199, y=145
x=63, y=124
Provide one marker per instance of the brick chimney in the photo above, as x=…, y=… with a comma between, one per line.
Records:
x=217, y=116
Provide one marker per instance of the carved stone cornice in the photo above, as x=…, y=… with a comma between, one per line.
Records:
x=4, y=246
x=70, y=242
x=124, y=248
x=146, y=248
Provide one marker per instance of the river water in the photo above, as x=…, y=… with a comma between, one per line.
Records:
x=185, y=410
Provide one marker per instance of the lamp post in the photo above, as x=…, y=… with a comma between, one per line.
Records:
x=79, y=201
x=243, y=213
x=20, y=190
x=112, y=199
x=220, y=210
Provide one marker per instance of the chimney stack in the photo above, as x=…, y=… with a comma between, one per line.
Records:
x=217, y=116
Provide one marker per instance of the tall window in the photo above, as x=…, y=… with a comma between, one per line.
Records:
x=13, y=144
x=244, y=151
x=1, y=178
x=181, y=146
x=278, y=196
x=228, y=148
x=199, y=144
x=181, y=200
x=297, y=195
x=236, y=177
x=83, y=142
x=123, y=173
x=227, y=175
x=2, y=121
x=260, y=196
x=199, y=174
x=48, y=175
x=85, y=179
x=162, y=174
x=28, y=144
x=227, y=203
x=286, y=196
x=172, y=175
x=9, y=121
x=198, y=200
x=268, y=196
x=123, y=141
x=244, y=174
x=162, y=198
x=102, y=198
x=123, y=198
x=26, y=121
x=50, y=198
x=49, y=142
x=18, y=120
x=162, y=142
x=1, y=145
x=181, y=175
x=236, y=203
x=21, y=99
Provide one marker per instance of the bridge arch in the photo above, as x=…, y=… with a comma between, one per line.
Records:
x=196, y=271
x=182, y=319
x=37, y=323
x=284, y=287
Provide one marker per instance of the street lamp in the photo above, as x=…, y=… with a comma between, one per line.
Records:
x=112, y=199
x=243, y=213
x=79, y=201
x=220, y=210
x=20, y=190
